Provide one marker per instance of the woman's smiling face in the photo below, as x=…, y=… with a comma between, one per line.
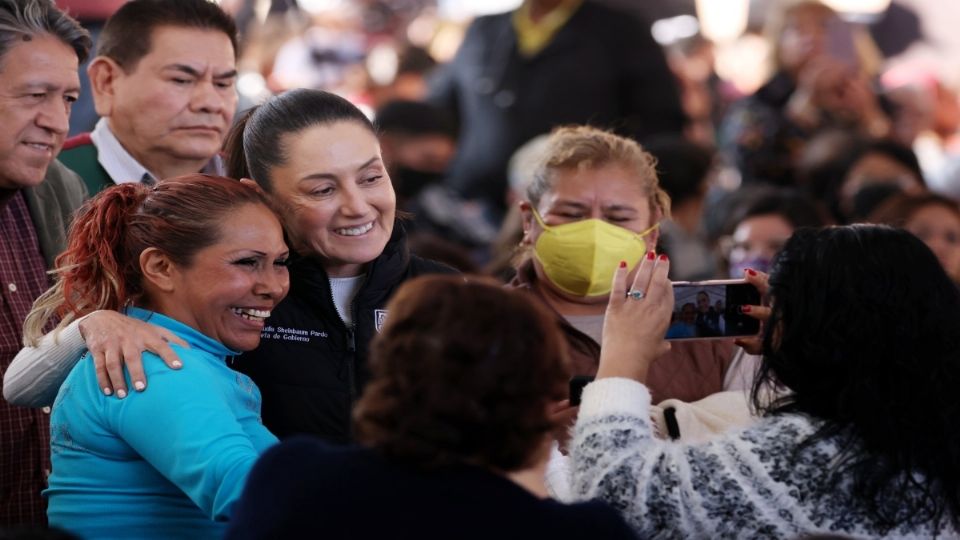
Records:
x=339, y=204
x=229, y=288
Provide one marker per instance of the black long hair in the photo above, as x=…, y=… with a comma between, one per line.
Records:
x=865, y=332
x=255, y=143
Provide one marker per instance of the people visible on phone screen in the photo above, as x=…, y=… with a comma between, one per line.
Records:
x=708, y=321
x=685, y=323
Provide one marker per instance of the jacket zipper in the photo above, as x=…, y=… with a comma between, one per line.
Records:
x=351, y=370
x=351, y=337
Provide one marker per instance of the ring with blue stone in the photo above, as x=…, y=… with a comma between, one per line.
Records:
x=636, y=294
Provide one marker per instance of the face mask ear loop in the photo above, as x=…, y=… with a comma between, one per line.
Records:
x=649, y=230
x=536, y=215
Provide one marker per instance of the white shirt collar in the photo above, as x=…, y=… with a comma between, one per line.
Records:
x=119, y=164
x=124, y=168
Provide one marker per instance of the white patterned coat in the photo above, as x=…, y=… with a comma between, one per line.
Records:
x=748, y=484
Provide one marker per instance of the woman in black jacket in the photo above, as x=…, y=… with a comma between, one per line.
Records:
x=318, y=156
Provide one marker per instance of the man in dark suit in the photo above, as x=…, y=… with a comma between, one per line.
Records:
x=549, y=63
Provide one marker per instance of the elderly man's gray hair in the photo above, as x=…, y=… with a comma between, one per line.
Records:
x=23, y=20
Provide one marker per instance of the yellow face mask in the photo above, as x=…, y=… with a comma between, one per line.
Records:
x=579, y=258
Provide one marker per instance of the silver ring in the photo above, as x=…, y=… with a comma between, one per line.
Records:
x=636, y=295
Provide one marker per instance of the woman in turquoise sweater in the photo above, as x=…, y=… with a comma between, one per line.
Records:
x=203, y=258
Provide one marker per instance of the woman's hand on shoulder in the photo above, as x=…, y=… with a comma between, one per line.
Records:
x=115, y=340
x=636, y=321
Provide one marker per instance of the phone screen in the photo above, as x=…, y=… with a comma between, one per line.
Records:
x=711, y=309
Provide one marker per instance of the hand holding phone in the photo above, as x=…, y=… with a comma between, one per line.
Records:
x=761, y=281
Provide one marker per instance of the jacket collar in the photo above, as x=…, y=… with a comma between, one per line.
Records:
x=193, y=337
x=381, y=274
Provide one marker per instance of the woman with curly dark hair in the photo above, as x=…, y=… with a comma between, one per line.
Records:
x=457, y=427
x=862, y=339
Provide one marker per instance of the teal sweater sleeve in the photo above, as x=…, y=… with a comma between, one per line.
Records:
x=186, y=426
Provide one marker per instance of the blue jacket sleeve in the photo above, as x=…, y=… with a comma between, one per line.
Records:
x=186, y=428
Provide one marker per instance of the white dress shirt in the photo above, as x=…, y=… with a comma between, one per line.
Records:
x=124, y=168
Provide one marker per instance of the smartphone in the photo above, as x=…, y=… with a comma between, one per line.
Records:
x=577, y=383
x=712, y=310
x=839, y=43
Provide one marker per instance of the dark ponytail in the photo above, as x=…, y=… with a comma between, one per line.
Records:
x=254, y=145
x=236, y=159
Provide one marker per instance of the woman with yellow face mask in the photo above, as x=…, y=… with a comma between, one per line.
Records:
x=596, y=201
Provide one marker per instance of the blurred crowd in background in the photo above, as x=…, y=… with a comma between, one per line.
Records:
x=509, y=133
x=764, y=115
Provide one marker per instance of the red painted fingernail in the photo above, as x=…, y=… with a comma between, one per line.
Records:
x=651, y=255
x=664, y=258
x=623, y=264
x=745, y=309
x=751, y=271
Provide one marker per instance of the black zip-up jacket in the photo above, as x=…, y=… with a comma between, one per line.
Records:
x=310, y=367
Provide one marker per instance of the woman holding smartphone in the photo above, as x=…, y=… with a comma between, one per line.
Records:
x=861, y=342
x=318, y=157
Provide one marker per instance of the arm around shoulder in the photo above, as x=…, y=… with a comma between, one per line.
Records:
x=35, y=375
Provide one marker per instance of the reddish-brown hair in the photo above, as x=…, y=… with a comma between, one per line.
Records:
x=464, y=371
x=100, y=268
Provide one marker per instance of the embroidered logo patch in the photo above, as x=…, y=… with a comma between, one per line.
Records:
x=291, y=334
x=379, y=317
